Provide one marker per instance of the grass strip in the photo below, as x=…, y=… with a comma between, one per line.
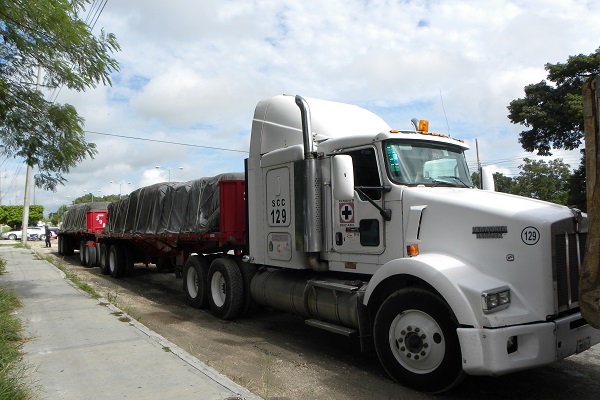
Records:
x=13, y=384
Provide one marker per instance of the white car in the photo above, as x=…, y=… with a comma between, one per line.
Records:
x=16, y=235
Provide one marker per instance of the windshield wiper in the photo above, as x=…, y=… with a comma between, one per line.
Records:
x=450, y=177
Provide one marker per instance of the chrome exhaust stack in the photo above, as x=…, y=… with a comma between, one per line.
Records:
x=313, y=224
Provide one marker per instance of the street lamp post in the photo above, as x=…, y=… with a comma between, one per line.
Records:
x=120, y=184
x=168, y=169
x=92, y=193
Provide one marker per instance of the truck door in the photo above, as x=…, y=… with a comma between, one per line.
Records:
x=358, y=227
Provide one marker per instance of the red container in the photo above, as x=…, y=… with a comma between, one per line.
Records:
x=96, y=221
x=232, y=218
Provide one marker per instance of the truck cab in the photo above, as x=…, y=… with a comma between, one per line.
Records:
x=369, y=231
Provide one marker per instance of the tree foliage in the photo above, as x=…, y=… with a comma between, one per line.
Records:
x=50, y=35
x=539, y=179
x=554, y=112
x=13, y=215
x=543, y=180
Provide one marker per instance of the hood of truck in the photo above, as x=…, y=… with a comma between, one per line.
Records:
x=504, y=239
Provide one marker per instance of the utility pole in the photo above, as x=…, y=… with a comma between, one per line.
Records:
x=28, y=178
x=589, y=278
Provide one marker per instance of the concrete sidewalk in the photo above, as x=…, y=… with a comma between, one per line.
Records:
x=84, y=348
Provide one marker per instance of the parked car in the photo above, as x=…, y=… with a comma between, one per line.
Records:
x=32, y=230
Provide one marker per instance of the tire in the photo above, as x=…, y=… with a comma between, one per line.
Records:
x=116, y=261
x=103, y=263
x=91, y=256
x=12, y=236
x=226, y=288
x=82, y=253
x=195, y=281
x=129, y=253
x=60, y=246
x=416, y=341
x=250, y=306
x=68, y=248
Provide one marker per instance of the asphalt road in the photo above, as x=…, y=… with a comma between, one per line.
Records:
x=277, y=356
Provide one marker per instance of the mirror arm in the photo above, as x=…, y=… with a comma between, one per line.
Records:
x=386, y=213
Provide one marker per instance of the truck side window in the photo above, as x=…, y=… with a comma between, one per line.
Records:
x=366, y=172
x=369, y=232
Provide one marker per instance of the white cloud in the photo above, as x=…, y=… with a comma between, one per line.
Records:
x=192, y=72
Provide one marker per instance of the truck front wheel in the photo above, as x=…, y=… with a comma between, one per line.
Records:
x=416, y=341
x=195, y=281
x=226, y=295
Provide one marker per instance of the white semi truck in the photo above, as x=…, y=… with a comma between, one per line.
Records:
x=368, y=231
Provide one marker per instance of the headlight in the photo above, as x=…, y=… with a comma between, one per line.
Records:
x=495, y=299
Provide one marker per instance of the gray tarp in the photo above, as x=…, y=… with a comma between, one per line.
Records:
x=74, y=220
x=174, y=207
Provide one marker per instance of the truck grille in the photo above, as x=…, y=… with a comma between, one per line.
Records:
x=569, y=251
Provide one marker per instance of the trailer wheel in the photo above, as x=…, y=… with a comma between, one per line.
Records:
x=116, y=261
x=195, y=281
x=82, y=253
x=104, y=268
x=416, y=341
x=129, y=253
x=59, y=244
x=91, y=256
x=226, y=296
x=68, y=246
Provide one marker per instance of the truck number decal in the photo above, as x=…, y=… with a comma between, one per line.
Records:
x=278, y=216
x=530, y=235
x=278, y=197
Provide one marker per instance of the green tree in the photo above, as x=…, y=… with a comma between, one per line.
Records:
x=543, y=180
x=13, y=215
x=502, y=182
x=577, y=188
x=554, y=112
x=48, y=34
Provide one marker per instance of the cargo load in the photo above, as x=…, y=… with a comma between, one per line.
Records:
x=170, y=207
x=75, y=219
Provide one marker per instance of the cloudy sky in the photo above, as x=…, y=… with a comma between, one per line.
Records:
x=191, y=73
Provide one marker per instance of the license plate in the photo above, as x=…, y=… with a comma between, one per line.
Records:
x=583, y=344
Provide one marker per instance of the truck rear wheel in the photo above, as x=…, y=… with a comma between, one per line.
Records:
x=195, y=281
x=248, y=271
x=82, y=253
x=60, y=246
x=226, y=288
x=104, y=259
x=416, y=341
x=116, y=261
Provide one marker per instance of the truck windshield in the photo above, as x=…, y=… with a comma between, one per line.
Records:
x=420, y=162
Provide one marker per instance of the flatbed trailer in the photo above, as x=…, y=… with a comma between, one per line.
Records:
x=116, y=252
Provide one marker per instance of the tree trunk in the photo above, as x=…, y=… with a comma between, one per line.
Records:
x=589, y=282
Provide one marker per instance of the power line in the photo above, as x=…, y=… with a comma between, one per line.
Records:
x=166, y=142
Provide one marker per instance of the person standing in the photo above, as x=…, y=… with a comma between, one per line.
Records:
x=48, y=235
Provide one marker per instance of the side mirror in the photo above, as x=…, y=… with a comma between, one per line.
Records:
x=487, y=179
x=342, y=180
